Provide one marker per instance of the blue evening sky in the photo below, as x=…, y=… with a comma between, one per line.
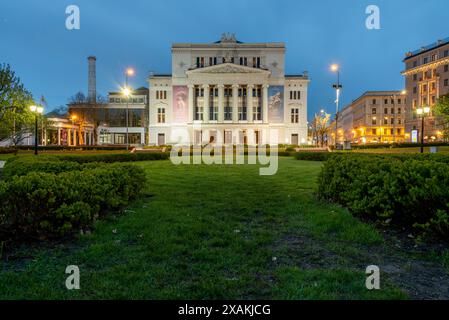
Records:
x=51, y=60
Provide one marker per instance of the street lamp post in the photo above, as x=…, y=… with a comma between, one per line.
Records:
x=37, y=110
x=422, y=112
x=337, y=87
x=127, y=93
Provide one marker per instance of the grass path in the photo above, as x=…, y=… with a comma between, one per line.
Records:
x=212, y=232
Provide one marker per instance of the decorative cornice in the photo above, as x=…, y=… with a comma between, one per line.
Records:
x=425, y=67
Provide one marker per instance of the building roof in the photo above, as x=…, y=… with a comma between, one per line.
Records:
x=428, y=48
x=167, y=75
x=138, y=91
x=303, y=76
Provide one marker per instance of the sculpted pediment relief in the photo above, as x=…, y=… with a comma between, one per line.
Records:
x=228, y=68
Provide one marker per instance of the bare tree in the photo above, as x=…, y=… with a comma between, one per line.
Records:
x=320, y=127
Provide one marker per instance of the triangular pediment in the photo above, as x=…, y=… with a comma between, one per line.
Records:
x=228, y=68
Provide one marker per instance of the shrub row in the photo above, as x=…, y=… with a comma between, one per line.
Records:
x=410, y=192
x=312, y=156
x=71, y=148
x=7, y=150
x=397, y=145
x=48, y=204
x=21, y=166
x=116, y=157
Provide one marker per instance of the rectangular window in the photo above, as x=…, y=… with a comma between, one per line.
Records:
x=385, y=120
x=374, y=131
x=446, y=82
x=399, y=110
x=161, y=115
x=374, y=121
x=294, y=115
x=386, y=110
x=446, y=53
x=242, y=114
x=415, y=77
x=157, y=94
x=374, y=101
x=373, y=110
x=386, y=101
x=446, y=67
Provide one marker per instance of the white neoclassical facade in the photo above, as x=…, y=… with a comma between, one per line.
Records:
x=228, y=92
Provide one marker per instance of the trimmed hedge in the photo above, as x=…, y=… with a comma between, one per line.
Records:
x=21, y=166
x=410, y=192
x=398, y=145
x=8, y=150
x=48, y=204
x=72, y=148
x=312, y=156
x=116, y=157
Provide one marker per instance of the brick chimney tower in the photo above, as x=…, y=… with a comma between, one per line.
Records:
x=92, y=80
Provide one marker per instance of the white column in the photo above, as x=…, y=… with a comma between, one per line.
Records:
x=220, y=103
x=206, y=103
x=85, y=138
x=191, y=106
x=265, y=103
x=235, y=102
x=69, y=137
x=249, y=102
x=59, y=136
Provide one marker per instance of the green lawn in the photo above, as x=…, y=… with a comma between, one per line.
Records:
x=212, y=232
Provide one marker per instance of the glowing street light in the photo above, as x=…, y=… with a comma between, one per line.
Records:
x=129, y=72
x=336, y=68
x=126, y=92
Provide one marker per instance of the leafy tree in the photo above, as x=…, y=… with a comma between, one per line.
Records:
x=442, y=110
x=16, y=119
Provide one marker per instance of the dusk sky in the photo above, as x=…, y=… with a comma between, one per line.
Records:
x=51, y=60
